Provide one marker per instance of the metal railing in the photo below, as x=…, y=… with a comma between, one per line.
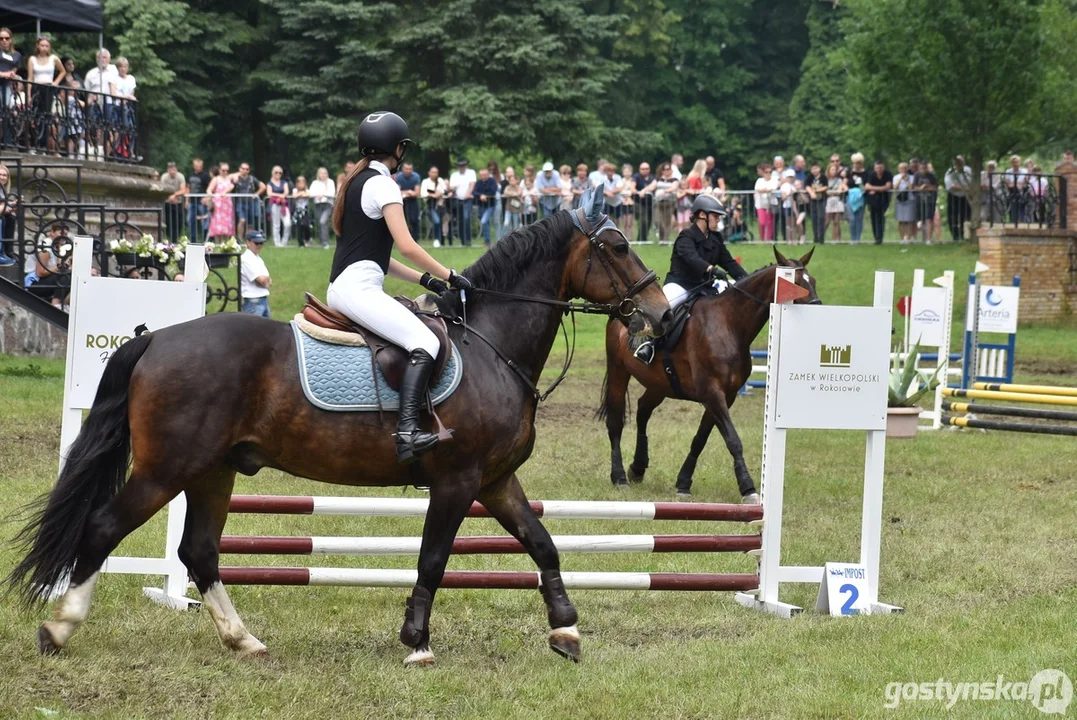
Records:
x=1025, y=200
x=194, y=216
x=69, y=122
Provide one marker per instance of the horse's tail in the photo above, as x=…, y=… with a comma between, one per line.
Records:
x=94, y=472
x=603, y=408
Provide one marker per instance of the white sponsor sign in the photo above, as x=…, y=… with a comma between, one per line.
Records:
x=833, y=368
x=109, y=310
x=998, y=308
x=926, y=318
x=843, y=590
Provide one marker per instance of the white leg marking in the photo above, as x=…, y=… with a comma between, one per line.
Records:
x=419, y=658
x=72, y=611
x=570, y=631
x=230, y=628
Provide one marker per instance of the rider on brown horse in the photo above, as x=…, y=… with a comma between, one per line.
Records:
x=369, y=220
x=699, y=257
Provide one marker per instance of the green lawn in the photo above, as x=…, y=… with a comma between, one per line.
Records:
x=978, y=546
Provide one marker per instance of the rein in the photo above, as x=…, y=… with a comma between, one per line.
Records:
x=626, y=308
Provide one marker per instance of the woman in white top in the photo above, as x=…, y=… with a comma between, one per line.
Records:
x=45, y=72
x=323, y=191
x=125, y=108
x=763, y=189
x=432, y=192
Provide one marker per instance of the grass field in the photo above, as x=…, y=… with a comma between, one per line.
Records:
x=978, y=546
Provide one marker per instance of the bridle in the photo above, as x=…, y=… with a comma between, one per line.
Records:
x=625, y=309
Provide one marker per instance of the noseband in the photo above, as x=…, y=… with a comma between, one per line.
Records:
x=627, y=307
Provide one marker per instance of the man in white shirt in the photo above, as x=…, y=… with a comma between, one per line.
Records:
x=675, y=162
x=548, y=185
x=462, y=184
x=103, y=80
x=958, y=180
x=254, y=276
x=323, y=190
x=598, y=175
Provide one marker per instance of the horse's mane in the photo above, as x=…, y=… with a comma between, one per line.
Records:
x=503, y=265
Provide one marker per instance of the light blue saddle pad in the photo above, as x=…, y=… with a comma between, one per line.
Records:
x=339, y=377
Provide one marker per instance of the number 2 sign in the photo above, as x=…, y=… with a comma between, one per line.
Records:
x=842, y=590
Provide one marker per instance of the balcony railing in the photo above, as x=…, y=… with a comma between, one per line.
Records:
x=68, y=122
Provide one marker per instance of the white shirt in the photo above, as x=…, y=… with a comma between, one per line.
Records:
x=676, y=171
x=597, y=177
x=379, y=191
x=94, y=81
x=429, y=187
x=323, y=191
x=461, y=181
x=252, y=266
x=126, y=85
x=958, y=181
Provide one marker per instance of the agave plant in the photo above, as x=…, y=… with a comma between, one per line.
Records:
x=902, y=376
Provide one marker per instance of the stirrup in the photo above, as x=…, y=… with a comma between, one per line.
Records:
x=645, y=352
x=408, y=451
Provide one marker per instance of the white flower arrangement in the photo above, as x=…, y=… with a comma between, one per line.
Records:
x=228, y=247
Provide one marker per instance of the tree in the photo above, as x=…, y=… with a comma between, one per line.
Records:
x=975, y=77
x=820, y=112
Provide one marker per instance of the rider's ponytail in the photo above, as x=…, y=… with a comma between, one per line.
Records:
x=342, y=193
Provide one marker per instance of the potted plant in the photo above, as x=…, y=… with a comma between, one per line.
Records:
x=221, y=255
x=903, y=413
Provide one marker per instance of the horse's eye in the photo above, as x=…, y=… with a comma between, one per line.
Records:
x=621, y=249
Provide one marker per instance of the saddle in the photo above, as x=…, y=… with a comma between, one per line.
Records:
x=390, y=357
x=668, y=342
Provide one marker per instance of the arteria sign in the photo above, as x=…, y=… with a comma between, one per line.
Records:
x=833, y=368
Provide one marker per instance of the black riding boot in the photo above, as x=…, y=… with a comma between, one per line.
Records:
x=411, y=442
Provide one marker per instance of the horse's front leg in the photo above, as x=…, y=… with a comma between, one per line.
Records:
x=506, y=501
x=648, y=401
x=613, y=408
x=719, y=409
x=450, y=499
x=699, y=442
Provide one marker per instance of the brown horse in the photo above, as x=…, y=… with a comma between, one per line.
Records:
x=712, y=361
x=193, y=404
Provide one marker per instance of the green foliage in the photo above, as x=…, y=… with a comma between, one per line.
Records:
x=902, y=376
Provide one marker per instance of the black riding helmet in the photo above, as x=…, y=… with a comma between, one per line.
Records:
x=707, y=204
x=381, y=132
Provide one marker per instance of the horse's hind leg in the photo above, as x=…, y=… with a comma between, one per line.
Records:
x=207, y=511
x=507, y=503
x=648, y=401
x=450, y=499
x=717, y=406
x=139, y=500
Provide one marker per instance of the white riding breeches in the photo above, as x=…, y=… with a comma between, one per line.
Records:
x=357, y=292
x=675, y=294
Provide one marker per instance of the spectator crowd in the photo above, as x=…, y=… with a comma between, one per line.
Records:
x=47, y=107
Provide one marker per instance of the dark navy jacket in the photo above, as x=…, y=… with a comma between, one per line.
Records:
x=693, y=252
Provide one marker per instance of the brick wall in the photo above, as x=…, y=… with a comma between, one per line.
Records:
x=1041, y=258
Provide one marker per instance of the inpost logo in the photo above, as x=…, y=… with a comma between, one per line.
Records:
x=835, y=356
x=1049, y=691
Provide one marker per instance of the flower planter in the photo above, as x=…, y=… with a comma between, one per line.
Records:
x=901, y=422
x=219, y=260
x=128, y=259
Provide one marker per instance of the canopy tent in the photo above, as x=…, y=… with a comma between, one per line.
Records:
x=54, y=15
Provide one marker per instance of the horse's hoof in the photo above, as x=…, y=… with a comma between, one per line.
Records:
x=684, y=494
x=619, y=481
x=634, y=476
x=565, y=641
x=45, y=642
x=419, y=658
x=255, y=654
x=752, y=499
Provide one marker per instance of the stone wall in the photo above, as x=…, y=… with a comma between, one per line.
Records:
x=23, y=333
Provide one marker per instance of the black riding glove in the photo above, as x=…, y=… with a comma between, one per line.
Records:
x=719, y=274
x=459, y=282
x=433, y=284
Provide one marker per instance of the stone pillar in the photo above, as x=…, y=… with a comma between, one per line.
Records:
x=1068, y=170
x=1043, y=257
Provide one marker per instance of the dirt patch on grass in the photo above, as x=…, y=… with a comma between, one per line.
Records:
x=1046, y=367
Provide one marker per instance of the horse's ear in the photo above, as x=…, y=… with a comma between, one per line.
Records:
x=807, y=258
x=593, y=201
x=782, y=259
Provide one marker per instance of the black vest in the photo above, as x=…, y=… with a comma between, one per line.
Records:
x=361, y=237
